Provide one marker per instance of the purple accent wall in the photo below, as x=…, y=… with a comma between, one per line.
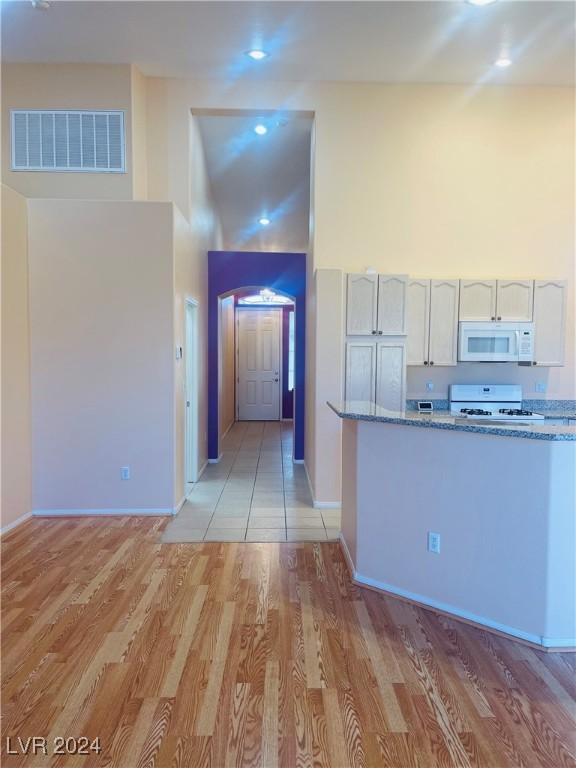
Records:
x=287, y=394
x=283, y=272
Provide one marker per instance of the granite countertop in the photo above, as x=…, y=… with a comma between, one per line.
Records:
x=366, y=411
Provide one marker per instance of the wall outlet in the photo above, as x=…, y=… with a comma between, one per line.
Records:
x=125, y=473
x=540, y=386
x=434, y=542
x=429, y=386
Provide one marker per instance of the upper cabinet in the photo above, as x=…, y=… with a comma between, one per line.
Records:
x=549, y=322
x=376, y=305
x=361, y=305
x=514, y=300
x=392, y=305
x=478, y=300
x=443, y=345
x=417, y=321
x=432, y=322
x=501, y=300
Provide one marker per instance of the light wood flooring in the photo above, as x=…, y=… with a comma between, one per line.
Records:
x=245, y=654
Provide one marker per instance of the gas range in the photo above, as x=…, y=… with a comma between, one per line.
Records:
x=490, y=402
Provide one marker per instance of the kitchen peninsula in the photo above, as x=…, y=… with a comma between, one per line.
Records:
x=496, y=501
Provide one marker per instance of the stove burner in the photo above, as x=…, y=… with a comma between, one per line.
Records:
x=515, y=412
x=475, y=412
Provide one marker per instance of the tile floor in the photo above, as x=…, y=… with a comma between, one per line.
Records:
x=254, y=493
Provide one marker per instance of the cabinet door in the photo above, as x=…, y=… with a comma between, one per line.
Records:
x=514, y=300
x=417, y=321
x=443, y=343
x=477, y=300
x=392, y=305
x=549, y=320
x=361, y=305
x=391, y=375
x=360, y=370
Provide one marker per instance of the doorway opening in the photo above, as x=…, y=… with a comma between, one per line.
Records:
x=192, y=386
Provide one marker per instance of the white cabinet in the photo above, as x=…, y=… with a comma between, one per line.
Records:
x=549, y=322
x=392, y=305
x=391, y=375
x=417, y=321
x=376, y=371
x=505, y=300
x=361, y=305
x=477, y=300
x=443, y=343
x=432, y=322
x=361, y=370
x=514, y=300
x=376, y=305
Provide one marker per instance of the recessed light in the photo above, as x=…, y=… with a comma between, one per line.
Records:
x=257, y=54
x=260, y=129
x=481, y=2
x=503, y=62
x=41, y=5
x=264, y=221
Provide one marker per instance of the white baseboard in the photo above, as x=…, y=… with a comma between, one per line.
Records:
x=179, y=506
x=298, y=461
x=15, y=523
x=201, y=470
x=143, y=512
x=457, y=613
x=215, y=461
x=227, y=430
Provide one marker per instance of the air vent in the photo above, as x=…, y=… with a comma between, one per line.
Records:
x=89, y=142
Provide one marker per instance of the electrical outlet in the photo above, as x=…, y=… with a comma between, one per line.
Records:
x=434, y=542
x=429, y=386
x=540, y=386
x=125, y=473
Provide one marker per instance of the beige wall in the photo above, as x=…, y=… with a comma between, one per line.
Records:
x=139, y=135
x=102, y=331
x=194, y=236
x=227, y=389
x=16, y=438
x=66, y=86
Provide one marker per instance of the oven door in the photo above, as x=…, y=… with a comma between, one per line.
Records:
x=487, y=343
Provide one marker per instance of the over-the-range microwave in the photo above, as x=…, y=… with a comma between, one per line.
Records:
x=496, y=342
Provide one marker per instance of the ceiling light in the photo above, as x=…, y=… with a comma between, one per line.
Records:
x=503, y=62
x=264, y=221
x=260, y=129
x=257, y=54
x=40, y=5
x=481, y=2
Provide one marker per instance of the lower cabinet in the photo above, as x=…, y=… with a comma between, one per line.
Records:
x=376, y=372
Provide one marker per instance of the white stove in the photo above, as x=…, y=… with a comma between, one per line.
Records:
x=490, y=402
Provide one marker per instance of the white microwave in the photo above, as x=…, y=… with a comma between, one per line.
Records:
x=496, y=342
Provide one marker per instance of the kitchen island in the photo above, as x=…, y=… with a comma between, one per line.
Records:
x=502, y=498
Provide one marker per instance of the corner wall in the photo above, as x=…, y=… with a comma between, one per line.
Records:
x=102, y=330
x=16, y=501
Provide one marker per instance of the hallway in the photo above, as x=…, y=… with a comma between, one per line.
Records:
x=255, y=493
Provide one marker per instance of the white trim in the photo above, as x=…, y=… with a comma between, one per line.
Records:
x=215, y=461
x=545, y=642
x=299, y=461
x=15, y=523
x=228, y=429
x=201, y=470
x=179, y=506
x=326, y=504
x=143, y=512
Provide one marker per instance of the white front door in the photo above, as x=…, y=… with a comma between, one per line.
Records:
x=258, y=356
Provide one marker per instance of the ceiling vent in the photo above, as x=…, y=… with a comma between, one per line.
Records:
x=77, y=141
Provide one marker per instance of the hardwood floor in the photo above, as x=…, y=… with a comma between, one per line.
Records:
x=253, y=655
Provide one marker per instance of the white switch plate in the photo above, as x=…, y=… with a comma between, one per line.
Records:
x=125, y=473
x=434, y=542
x=540, y=386
x=430, y=386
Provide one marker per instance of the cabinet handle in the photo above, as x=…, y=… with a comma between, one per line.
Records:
x=492, y=318
x=534, y=362
x=499, y=318
x=431, y=362
x=380, y=332
x=372, y=332
x=425, y=362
